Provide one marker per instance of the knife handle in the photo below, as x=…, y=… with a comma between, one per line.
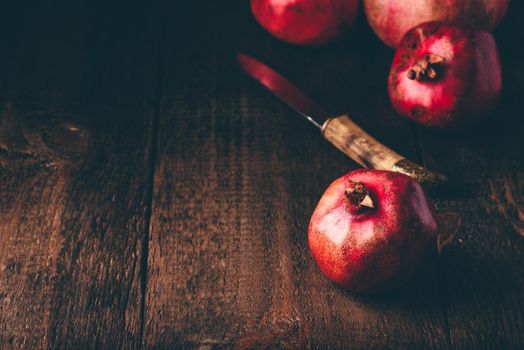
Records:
x=348, y=137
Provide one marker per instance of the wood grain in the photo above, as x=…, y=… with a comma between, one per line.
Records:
x=77, y=94
x=152, y=196
x=237, y=178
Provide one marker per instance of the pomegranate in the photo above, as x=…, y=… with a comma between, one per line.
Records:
x=372, y=229
x=391, y=19
x=306, y=22
x=445, y=75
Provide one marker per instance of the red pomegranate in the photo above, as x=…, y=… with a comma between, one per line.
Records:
x=445, y=75
x=391, y=19
x=306, y=22
x=372, y=229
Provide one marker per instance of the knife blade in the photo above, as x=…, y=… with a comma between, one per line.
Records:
x=340, y=130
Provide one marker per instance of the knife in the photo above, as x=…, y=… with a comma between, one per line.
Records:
x=341, y=131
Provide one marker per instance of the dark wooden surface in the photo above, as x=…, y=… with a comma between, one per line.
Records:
x=152, y=196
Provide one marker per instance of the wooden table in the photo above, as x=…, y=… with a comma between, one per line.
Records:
x=153, y=196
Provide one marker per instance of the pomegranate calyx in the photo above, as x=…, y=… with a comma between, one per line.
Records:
x=426, y=68
x=358, y=198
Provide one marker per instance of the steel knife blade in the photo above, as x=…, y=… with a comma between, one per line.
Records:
x=341, y=131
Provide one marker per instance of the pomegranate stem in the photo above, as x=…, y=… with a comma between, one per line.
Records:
x=358, y=197
x=426, y=68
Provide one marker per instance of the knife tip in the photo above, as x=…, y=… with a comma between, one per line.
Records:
x=242, y=57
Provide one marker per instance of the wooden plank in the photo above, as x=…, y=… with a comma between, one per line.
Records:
x=237, y=178
x=480, y=268
x=77, y=94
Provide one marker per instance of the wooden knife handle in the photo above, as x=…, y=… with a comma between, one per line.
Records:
x=368, y=152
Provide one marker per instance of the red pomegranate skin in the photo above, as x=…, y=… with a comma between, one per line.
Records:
x=370, y=250
x=469, y=81
x=391, y=19
x=306, y=22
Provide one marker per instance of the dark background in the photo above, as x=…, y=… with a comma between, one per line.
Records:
x=151, y=195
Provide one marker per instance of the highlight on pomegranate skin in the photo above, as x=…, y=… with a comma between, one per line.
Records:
x=445, y=75
x=306, y=22
x=391, y=19
x=372, y=230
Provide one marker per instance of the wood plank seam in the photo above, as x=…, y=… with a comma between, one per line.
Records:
x=153, y=146
x=422, y=159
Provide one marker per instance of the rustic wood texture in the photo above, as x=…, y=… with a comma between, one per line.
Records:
x=77, y=97
x=153, y=196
